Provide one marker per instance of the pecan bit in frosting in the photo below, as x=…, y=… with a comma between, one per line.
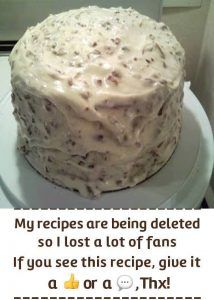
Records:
x=85, y=95
x=108, y=50
x=116, y=41
x=124, y=65
x=99, y=137
x=160, y=50
x=125, y=48
x=48, y=105
x=164, y=65
x=70, y=82
x=116, y=74
x=99, y=82
x=97, y=52
x=112, y=79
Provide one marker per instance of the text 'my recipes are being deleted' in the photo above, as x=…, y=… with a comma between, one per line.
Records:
x=107, y=254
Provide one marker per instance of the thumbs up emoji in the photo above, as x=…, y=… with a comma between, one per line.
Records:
x=71, y=283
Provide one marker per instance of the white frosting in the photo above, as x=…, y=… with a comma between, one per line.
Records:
x=98, y=95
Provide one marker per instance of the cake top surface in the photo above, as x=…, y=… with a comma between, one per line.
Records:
x=90, y=53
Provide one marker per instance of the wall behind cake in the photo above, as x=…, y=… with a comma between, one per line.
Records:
x=194, y=28
x=203, y=84
x=188, y=24
x=204, y=80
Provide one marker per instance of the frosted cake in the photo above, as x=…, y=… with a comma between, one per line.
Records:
x=97, y=96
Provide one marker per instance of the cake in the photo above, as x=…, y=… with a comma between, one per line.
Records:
x=97, y=95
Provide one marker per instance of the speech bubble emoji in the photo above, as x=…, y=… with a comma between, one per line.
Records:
x=124, y=282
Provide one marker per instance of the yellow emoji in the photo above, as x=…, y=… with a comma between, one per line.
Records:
x=71, y=283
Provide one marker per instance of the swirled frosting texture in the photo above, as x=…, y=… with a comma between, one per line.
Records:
x=97, y=94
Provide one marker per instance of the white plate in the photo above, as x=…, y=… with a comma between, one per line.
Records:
x=179, y=184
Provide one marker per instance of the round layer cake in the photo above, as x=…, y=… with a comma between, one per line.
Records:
x=97, y=95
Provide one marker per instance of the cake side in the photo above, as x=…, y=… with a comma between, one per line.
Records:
x=98, y=107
